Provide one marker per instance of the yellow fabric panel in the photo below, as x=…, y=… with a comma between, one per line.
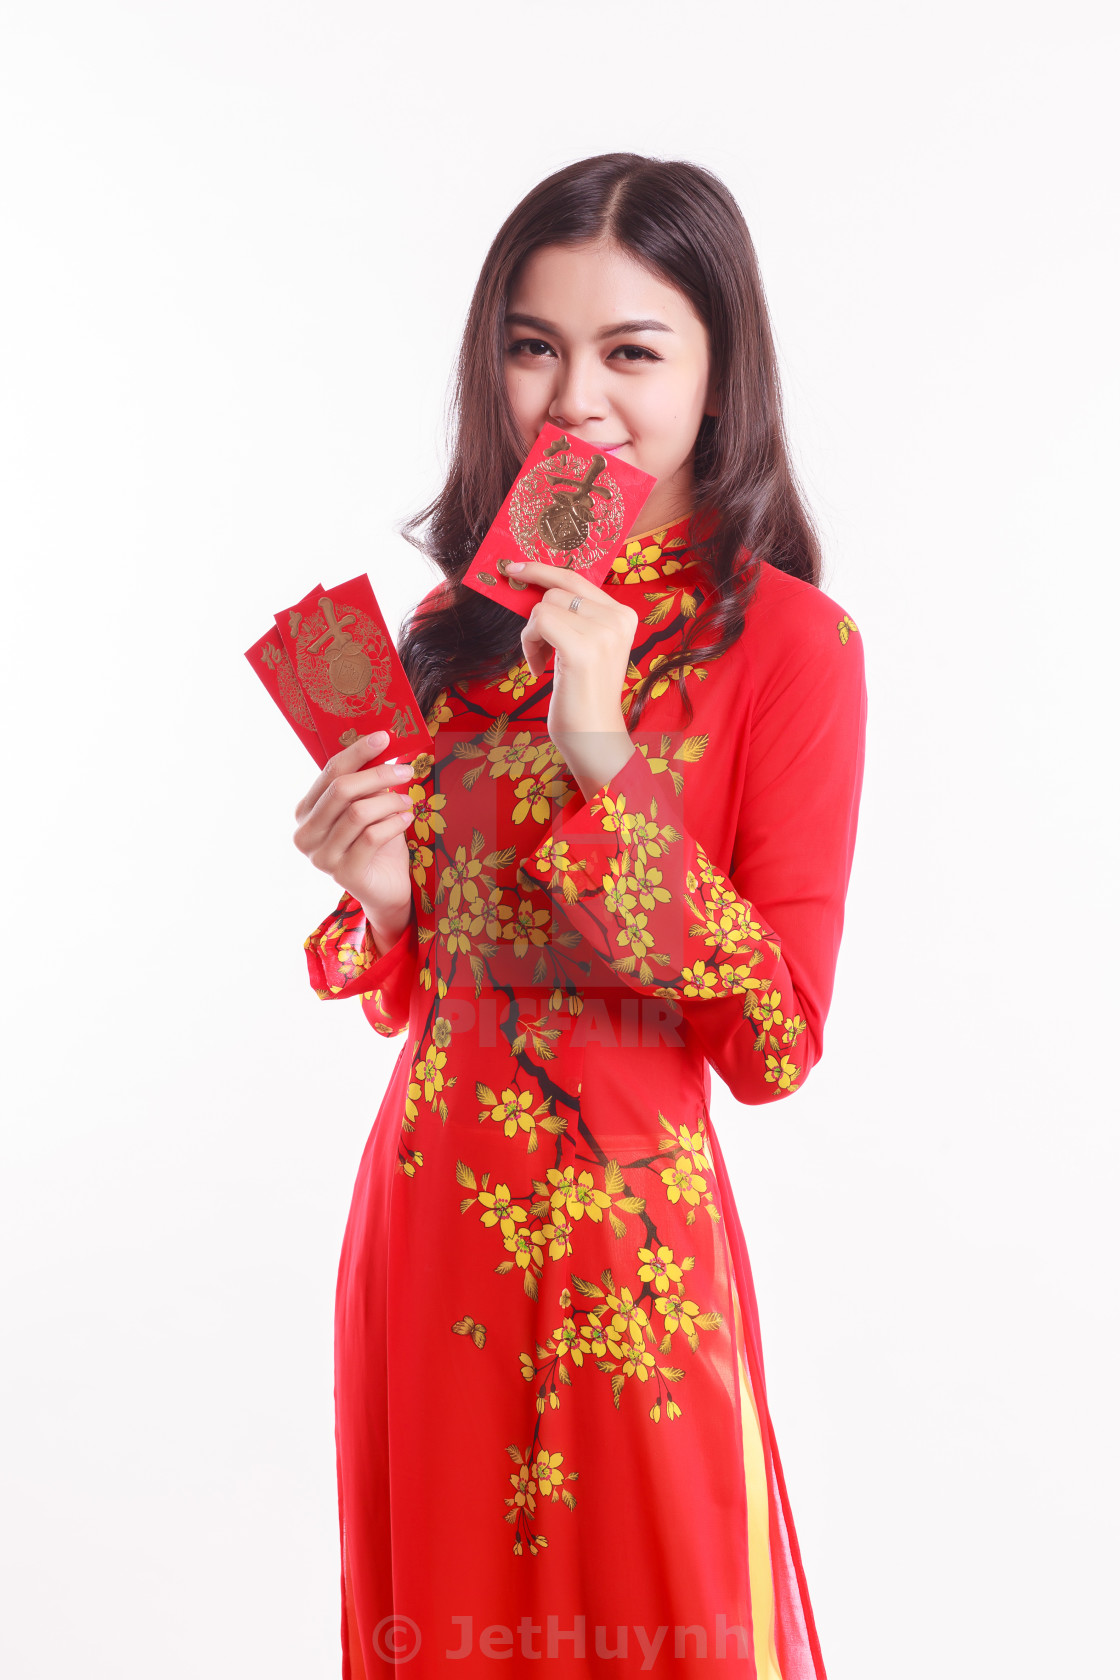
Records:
x=758, y=1518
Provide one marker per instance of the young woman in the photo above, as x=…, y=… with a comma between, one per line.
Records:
x=624, y=863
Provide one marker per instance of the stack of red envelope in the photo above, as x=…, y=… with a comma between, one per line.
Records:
x=331, y=667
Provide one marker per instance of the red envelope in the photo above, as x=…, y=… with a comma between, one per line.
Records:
x=351, y=675
x=568, y=506
x=269, y=659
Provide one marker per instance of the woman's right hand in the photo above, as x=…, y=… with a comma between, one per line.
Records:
x=351, y=824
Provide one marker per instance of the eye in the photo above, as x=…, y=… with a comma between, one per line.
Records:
x=635, y=353
x=533, y=347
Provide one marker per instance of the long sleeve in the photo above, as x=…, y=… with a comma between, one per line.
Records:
x=749, y=956
x=343, y=961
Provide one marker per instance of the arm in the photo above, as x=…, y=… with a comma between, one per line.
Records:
x=750, y=956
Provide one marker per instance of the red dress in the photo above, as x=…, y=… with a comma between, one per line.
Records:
x=553, y=1442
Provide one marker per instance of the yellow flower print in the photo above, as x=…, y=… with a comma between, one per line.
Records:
x=847, y=627
x=636, y=1361
x=516, y=680
x=614, y=814
x=680, y=1181
x=527, y=1247
x=559, y=1232
x=422, y=858
x=722, y=928
x=648, y=837
x=514, y=1111
x=577, y=1196
x=440, y=712
x=617, y=895
x=351, y=961
x=678, y=1314
x=459, y=877
x=525, y=751
x=662, y=683
x=497, y=913
x=592, y=1338
x=554, y=852
x=567, y=1341
x=501, y=1209
x=782, y=1073
x=547, y=1472
x=794, y=1027
x=765, y=1010
x=638, y=563
x=647, y=886
x=704, y=982
x=459, y=930
x=524, y=1496
x=659, y=1268
x=527, y=927
x=534, y=797
x=555, y=855
x=429, y=1070
x=692, y=1144
x=628, y=1318
x=427, y=808
x=633, y=931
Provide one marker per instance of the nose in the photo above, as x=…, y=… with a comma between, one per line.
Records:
x=579, y=395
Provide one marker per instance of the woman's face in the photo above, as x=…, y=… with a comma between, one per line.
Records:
x=599, y=346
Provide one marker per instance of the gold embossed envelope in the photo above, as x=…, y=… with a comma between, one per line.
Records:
x=333, y=669
x=568, y=506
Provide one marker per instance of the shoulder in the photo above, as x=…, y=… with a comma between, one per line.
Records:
x=792, y=624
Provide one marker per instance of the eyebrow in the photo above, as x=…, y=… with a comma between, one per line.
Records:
x=518, y=320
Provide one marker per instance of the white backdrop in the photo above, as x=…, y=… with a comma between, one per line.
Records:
x=240, y=242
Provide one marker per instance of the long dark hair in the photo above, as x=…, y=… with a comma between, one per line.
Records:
x=683, y=224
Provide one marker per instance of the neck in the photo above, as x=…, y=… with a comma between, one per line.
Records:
x=669, y=500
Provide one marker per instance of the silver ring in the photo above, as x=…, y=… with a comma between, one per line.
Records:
x=573, y=604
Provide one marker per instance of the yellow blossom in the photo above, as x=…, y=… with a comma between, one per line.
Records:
x=659, y=1267
x=782, y=1073
x=501, y=1209
x=577, y=1196
x=427, y=813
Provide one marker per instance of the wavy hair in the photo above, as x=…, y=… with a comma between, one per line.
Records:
x=682, y=223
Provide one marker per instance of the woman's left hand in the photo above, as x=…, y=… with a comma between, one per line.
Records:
x=592, y=647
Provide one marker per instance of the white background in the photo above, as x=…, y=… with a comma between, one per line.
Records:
x=240, y=239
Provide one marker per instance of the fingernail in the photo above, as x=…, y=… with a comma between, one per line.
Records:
x=378, y=738
x=515, y=565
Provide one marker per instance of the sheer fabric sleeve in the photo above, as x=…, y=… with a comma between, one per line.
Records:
x=343, y=961
x=748, y=956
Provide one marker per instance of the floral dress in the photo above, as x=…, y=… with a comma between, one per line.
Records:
x=553, y=1442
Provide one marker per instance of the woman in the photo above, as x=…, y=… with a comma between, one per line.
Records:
x=624, y=862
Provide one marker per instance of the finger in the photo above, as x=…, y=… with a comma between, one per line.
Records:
x=562, y=597
x=342, y=791
x=349, y=759
x=379, y=819
x=536, y=650
x=555, y=577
